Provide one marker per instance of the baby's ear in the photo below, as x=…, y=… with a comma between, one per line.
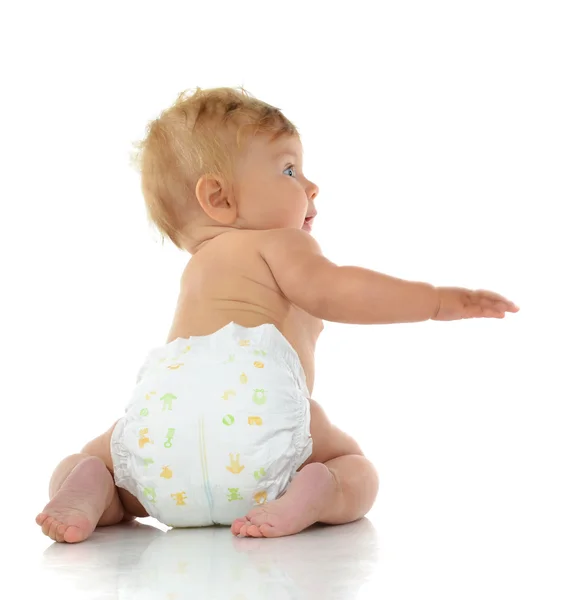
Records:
x=212, y=195
x=208, y=190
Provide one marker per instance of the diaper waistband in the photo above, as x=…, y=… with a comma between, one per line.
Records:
x=232, y=338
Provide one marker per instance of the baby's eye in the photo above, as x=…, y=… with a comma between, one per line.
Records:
x=292, y=169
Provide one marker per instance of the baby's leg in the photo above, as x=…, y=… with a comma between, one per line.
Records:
x=337, y=484
x=355, y=477
x=83, y=495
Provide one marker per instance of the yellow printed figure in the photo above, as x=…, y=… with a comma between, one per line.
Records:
x=149, y=396
x=179, y=498
x=243, y=378
x=187, y=349
x=255, y=421
x=166, y=472
x=228, y=393
x=143, y=439
x=175, y=366
x=260, y=497
x=259, y=364
x=235, y=466
x=244, y=343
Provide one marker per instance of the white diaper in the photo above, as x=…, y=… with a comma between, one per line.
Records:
x=217, y=424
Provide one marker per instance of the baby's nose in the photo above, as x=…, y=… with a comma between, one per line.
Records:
x=312, y=190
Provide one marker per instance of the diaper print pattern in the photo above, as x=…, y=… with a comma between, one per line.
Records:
x=143, y=437
x=175, y=366
x=179, y=498
x=260, y=497
x=167, y=399
x=234, y=465
x=169, y=437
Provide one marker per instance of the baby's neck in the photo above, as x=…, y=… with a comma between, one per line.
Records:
x=202, y=235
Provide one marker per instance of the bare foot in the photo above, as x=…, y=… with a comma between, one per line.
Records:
x=73, y=513
x=313, y=488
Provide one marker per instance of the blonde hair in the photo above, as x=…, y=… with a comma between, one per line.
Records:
x=192, y=138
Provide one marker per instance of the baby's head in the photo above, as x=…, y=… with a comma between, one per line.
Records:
x=220, y=159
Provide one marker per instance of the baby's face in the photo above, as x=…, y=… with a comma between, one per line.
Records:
x=270, y=185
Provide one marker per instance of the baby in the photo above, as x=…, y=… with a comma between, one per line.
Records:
x=221, y=427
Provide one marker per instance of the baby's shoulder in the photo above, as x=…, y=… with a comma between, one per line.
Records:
x=228, y=254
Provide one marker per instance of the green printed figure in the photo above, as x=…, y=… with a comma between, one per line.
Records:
x=230, y=359
x=234, y=495
x=260, y=473
x=167, y=400
x=151, y=494
x=259, y=397
x=261, y=352
x=144, y=412
x=148, y=461
x=169, y=436
x=228, y=420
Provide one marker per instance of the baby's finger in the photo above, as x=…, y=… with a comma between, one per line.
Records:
x=490, y=313
x=484, y=303
x=491, y=295
x=499, y=299
x=485, y=307
x=493, y=313
x=480, y=308
x=495, y=306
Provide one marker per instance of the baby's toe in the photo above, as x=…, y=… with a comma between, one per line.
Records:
x=267, y=530
x=73, y=534
x=53, y=529
x=253, y=531
x=61, y=532
x=46, y=524
x=237, y=525
x=41, y=518
x=259, y=517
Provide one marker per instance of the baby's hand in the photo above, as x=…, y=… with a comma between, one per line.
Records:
x=459, y=303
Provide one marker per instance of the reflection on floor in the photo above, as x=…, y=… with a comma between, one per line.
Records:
x=137, y=560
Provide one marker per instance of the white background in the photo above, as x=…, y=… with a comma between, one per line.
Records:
x=445, y=138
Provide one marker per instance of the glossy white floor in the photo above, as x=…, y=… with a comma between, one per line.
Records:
x=414, y=544
x=145, y=560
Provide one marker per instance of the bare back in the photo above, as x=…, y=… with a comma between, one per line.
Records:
x=228, y=280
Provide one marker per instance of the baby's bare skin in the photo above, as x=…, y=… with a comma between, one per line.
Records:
x=225, y=280
x=241, y=226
